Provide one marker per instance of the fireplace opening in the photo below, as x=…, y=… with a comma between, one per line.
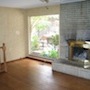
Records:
x=80, y=53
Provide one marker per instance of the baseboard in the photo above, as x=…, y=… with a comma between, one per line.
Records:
x=16, y=59
x=39, y=58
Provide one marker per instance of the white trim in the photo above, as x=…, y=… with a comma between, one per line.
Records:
x=41, y=58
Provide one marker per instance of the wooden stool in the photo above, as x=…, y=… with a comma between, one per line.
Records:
x=3, y=67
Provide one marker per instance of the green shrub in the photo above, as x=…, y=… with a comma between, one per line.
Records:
x=53, y=54
x=35, y=43
x=44, y=54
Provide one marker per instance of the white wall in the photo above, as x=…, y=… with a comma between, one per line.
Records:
x=44, y=10
x=13, y=33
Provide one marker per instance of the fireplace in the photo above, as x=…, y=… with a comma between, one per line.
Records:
x=72, y=48
x=78, y=50
x=79, y=53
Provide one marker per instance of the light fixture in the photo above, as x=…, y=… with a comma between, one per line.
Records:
x=46, y=1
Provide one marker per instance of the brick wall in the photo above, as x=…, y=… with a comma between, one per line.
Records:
x=73, y=17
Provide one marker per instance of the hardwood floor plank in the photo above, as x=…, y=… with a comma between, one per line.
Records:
x=28, y=74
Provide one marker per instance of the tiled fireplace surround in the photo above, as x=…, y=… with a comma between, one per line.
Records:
x=73, y=18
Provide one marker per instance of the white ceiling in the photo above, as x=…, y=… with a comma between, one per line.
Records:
x=32, y=3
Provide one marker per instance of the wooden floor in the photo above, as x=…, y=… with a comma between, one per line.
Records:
x=29, y=74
